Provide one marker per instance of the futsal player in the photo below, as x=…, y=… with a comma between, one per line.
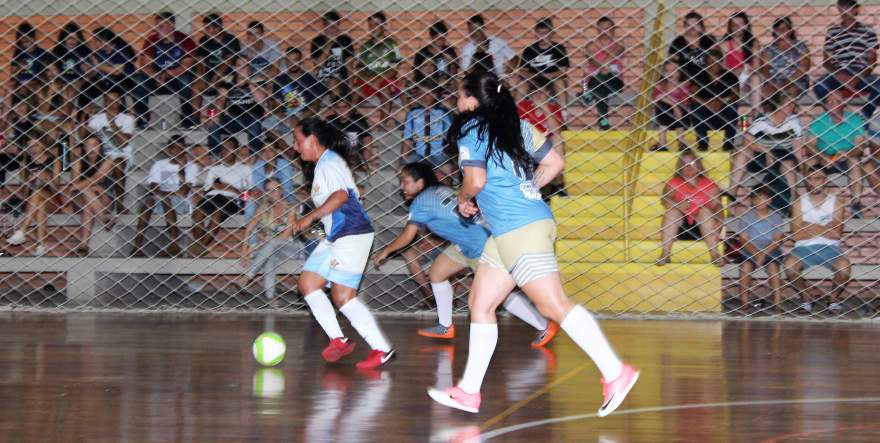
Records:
x=434, y=207
x=505, y=162
x=341, y=257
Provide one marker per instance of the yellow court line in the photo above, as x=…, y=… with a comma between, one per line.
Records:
x=518, y=405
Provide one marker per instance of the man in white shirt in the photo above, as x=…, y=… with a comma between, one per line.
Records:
x=167, y=186
x=225, y=182
x=485, y=52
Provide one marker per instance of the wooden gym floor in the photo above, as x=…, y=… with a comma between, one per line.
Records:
x=191, y=378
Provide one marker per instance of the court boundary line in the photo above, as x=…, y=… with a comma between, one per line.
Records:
x=553, y=420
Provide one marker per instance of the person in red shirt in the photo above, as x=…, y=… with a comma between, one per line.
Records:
x=165, y=67
x=539, y=109
x=692, y=200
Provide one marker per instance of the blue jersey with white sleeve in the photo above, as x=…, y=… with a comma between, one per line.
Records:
x=509, y=200
x=435, y=208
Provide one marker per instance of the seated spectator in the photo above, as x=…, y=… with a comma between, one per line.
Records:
x=604, y=69
x=671, y=106
x=690, y=50
x=29, y=62
x=738, y=48
x=272, y=248
x=714, y=106
x=115, y=127
x=275, y=162
x=42, y=177
x=693, y=203
x=167, y=188
x=201, y=157
x=114, y=64
x=547, y=58
x=92, y=188
x=240, y=110
x=761, y=234
x=333, y=54
x=491, y=54
x=345, y=117
x=224, y=184
x=298, y=90
x=166, y=68
x=777, y=138
x=377, y=60
x=817, y=226
x=849, y=56
x=215, y=58
x=437, y=61
x=541, y=110
x=785, y=62
x=73, y=58
x=837, y=139
x=262, y=53
x=424, y=131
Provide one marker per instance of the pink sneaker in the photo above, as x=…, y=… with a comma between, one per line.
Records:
x=337, y=348
x=615, y=392
x=454, y=397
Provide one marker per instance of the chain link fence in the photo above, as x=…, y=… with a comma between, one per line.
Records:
x=720, y=159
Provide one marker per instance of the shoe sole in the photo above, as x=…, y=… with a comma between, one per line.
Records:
x=617, y=400
x=336, y=355
x=444, y=399
x=431, y=335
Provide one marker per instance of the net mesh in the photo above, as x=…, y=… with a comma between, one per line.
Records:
x=719, y=159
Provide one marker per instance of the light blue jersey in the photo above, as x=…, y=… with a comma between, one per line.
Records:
x=435, y=208
x=331, y=175
x=510, y=199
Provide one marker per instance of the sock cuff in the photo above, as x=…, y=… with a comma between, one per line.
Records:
x=315, y=293
x=443, y=283
x=574, y=317
x=485, y=328
x=352, y=304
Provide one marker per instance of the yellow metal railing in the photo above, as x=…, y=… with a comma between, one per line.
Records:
x=641, y=119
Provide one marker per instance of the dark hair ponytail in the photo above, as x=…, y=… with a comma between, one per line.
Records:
x=495, y=118
x=421, y=171
x=329, y=136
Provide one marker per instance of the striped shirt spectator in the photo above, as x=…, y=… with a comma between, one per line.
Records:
x=848, y=47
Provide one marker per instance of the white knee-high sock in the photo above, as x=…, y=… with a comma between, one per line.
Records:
x=583, y=329
x=364, y=322
x=323, y=311
x=520, y=306
x=443, y=294
x=483, y=338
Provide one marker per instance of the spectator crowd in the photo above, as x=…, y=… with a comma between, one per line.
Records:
x=68, y=130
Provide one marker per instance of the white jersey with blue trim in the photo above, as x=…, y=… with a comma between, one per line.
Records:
x=435, y=208
x=331, y=175
x=510, y=199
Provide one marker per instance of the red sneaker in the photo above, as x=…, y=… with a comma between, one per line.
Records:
x=546, y=335
x=337, y=348
x=375, y=359
x=614, y=392
x=454, y=397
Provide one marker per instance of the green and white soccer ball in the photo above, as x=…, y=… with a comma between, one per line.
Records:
x=269, y=349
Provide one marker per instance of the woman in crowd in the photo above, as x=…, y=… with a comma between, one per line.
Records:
x=42, y=177
x=73, y=58
x=740, y=56
x=785, y=62
x=269, y=224
x=92, y=187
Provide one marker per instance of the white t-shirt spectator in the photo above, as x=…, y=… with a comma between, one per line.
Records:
x=167, y=175
x=261, y=59
x=499, y=50
x=238, y=176
x=100, y=125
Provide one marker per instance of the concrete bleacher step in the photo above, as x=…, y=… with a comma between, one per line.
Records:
x=640, y=251
x=638, y=287
x=621, y=140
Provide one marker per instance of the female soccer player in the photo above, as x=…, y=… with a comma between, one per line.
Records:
x=340, y=258
x=505, y=162
x=434, y=207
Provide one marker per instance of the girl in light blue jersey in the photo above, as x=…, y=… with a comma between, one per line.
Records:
x=505, y=162
x=339, y=259
x=434, y=207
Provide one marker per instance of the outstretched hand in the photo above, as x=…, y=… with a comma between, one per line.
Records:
x=468, y=208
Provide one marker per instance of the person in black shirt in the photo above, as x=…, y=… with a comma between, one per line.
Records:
x=689, y=50
x=29, y=61
x=215, y=57
x=297, y=89
x=114, y=64
x=714, y=104
x=72, y=58
x=437, y=61
x=344, y=116
x=546, y=58
x=241, y=110
x=333, y=54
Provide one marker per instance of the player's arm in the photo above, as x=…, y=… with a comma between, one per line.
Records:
x=406, y=237
x=549, y=168
x=334, y=202
x=473, y=183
